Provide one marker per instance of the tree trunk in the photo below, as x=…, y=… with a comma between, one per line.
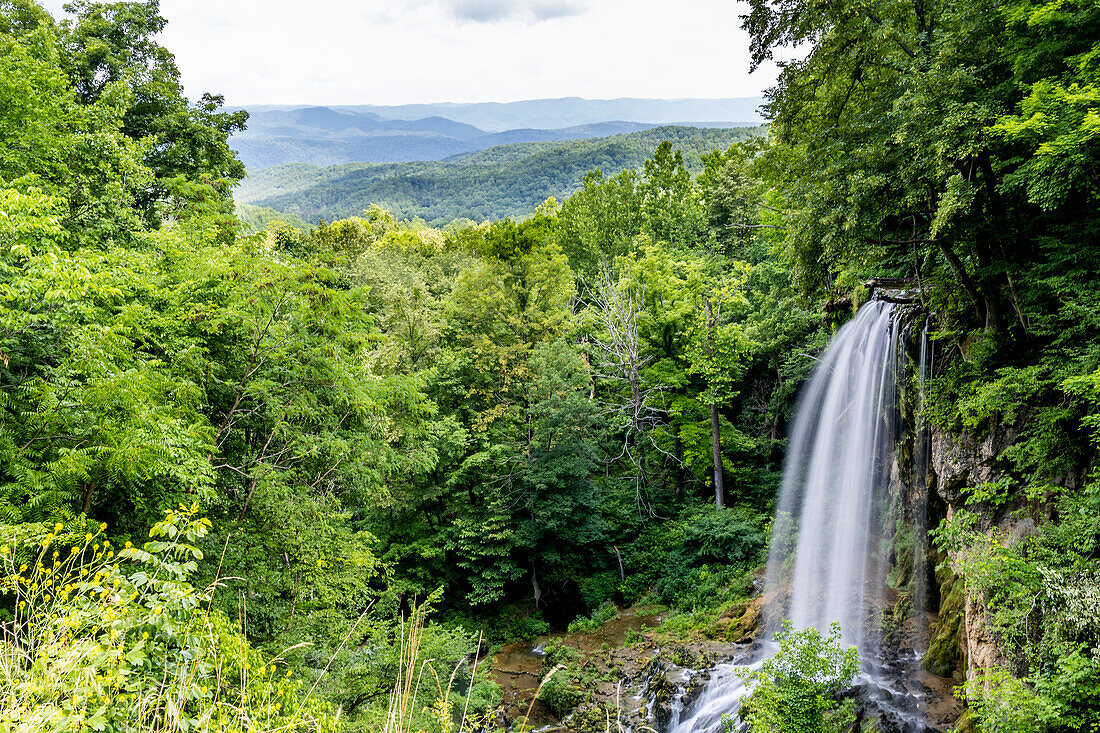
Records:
x=716, y=446
x=86, y=504
x=537, y=591
x=715, y=427
x=963, y=277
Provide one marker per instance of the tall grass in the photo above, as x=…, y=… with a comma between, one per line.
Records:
x=413, y=669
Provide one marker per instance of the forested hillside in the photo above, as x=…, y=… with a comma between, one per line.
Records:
x=504, y=181
x=296, y=480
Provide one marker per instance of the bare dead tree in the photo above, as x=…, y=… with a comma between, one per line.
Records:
x=616, y=357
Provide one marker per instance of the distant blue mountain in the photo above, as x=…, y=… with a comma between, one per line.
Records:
x=318, y=135
x=573, y=111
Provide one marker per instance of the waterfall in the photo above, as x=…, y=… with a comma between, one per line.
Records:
x=834, y=479
x=828, y=556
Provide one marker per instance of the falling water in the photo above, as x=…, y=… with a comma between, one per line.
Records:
x=828, y=548
x=834, y=480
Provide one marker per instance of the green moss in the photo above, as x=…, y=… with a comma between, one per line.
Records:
x=902, y=572
x=557, y=652
x=966, y=723
x=561, y=696
x=894, y=619
x=943, y=649
x=595, y=719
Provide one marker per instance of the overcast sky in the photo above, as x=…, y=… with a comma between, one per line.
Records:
x=407, y=51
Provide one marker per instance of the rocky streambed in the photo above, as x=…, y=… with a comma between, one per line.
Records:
x=637, y=673
x=630, y=674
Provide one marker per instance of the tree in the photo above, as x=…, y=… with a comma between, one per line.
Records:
x=600, y=221
x=112, y=44
x=881, y=137
x=670, y=202
x=1053, y=50
x=617, y=358
x=696, y=359
x=732, y=196
x=561, y=520
x=95, y=419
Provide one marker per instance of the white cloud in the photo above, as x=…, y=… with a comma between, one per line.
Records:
x=401, y=51
x=489, y=11
x=483, y=11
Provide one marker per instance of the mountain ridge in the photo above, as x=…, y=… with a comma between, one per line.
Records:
x=332, y=135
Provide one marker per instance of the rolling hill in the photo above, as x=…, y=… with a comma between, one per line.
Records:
x=572, y=111
x=504, y=181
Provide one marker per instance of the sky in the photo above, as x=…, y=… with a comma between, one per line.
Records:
x=421, y=51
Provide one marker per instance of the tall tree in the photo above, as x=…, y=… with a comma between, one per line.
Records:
x=108, y=44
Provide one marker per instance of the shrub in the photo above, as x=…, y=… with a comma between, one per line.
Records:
x=733, y=536
x=599, y=617
x=795, y=691
x=119, y=640
x=560, y=695
x=558, y=654
x=599, y=588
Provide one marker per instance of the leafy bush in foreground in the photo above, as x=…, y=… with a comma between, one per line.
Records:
x=118, y=640
x=796, y=689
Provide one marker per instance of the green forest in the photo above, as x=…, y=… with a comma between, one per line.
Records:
x=319, y=479
x=500, y=182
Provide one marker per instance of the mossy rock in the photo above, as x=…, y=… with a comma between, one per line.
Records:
x=943, y=654
x=966, y=723
x=561, y=696
x=594, y=718
x=893, y=619
x=870, y=726
x=682, y=656
x=902, y=573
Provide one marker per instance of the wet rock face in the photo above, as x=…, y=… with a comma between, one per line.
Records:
x=961, y=461
x=945, y=647
x=981, y=649
x=693, y=689
x=675, y=679
x=958, y=462
x=664, y=689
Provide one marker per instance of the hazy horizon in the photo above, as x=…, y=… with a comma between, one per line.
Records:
x=444, y=102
